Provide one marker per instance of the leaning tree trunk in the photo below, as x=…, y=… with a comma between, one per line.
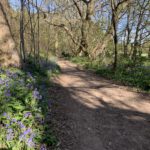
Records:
x=86, y=22
x=149, y=53
x=8, y=53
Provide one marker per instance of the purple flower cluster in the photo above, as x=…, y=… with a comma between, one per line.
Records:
x=7, y=93
x=43, y=147
x=12, y=75
x=30, y=141
x=9, y=77
x=21, y=125
x=29, y=86
x=8, y=73
x=6, y=115
x=2, y=81
x=18, y=81
x=27, y=114
x=23, y=135
x=36, y=94
x=12, y=121
x=27, y=136
x=10, y=134
x=29, y=75
x=13, y=86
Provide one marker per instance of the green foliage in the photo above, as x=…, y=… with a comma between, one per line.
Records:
x=127, y=73
x=24, y=108
x=137, y=77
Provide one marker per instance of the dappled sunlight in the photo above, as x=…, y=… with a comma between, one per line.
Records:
x=125, y=99
x=74, y=75
x=87, y=100
x=136, y=118
x=95, y=111
x=90, y=90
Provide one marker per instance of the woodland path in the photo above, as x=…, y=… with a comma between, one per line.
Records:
x=91, y=113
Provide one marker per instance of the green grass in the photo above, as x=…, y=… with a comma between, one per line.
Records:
x=126, y=74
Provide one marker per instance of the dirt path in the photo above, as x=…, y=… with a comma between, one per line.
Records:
x=91, y=113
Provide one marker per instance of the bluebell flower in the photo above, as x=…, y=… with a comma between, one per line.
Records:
x=10, y=130
x=37, y=95
x=7, y=84
x=10, y=134
x=8, y=73
x=30, y=142
x=27, y=114
x=22, y=82
x=7, y=93
x=5, y=114
x=22, y=126
x=30, y=86
x=29, y=75
x=14, y=120
x=27, y=131
x=15, y=75
x=1, y=82
x=7, y=125
x=43, y=147
x=23, y=135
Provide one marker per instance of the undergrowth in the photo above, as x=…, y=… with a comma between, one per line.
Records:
x=25, y=108
x=127, y=73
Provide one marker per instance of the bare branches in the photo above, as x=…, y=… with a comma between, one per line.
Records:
x=78, y=8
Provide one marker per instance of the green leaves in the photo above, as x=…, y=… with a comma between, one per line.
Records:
x=23, y=109
x=127, y=72
x=18, y=110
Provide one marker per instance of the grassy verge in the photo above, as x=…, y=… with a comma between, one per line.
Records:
x=25, y=108
x=126, y=74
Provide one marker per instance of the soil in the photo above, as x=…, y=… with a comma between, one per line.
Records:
x=91, y=113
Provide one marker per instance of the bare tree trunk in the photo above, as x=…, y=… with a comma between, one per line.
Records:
x=31, y=30
x=56, y=44
x=138, y=29
x=8, y=53
x=149, y=53
x=128, y=30
x=38, y=33
x=83, y=43
x=22, y=44
x=115, y=38
x=85, y=21
x=100, y=47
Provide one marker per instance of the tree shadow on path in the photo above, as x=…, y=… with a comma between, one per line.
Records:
x=91, y=123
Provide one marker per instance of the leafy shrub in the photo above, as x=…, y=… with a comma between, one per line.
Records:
x=22, y=120
x=127, y=73
x=137, y=77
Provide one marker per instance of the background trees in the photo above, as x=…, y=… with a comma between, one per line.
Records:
x=8, y=53
x=103, y=30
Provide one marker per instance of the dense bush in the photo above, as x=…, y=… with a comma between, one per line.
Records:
x=22, y=119
x=137, y=77
x=127, y=73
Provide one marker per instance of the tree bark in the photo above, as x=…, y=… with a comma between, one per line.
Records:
x=22, y=43
x=128, y=31
x=85, y=25
x=115, y=37
x=100, y=47
x=8, y=53
x=149, y=53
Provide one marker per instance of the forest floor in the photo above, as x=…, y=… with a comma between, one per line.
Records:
x=91, y=113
